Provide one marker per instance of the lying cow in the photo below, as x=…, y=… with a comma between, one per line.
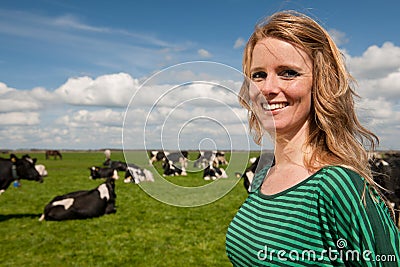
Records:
x=16, y=168
x=208, y=157
x=220, y=158
x=156, y=156
x=116, y=164
x=204, y=159
x=170, y=169
x=41, y=170
x=98, y=172
x=135, y=174
x=213, y=173
x=180, y=157
x=82, y=204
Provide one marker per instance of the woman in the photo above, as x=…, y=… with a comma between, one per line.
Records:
x=317, y=204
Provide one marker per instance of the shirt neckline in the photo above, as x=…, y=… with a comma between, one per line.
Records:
x=264, y=196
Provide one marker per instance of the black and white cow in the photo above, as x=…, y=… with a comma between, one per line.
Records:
x=205, y=158
x=135, y=174
x=213, y=173
x=180, y=157
x=116, y=164
x=220, y=157
x=82, y=204
x=156, y=156
x=16, y=168
x=170, y=169
x=386, y=173
x=249, y=173
x=41, y=170
x=257, y=163
x=98, y=172
x=208, y=157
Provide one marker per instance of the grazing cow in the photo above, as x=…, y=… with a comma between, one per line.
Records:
x=135, y=174
x=82, y=204
x=176, y=157
x=213, y=173
x=16, y=168
x=41, y=170
x=170, y=169
x=54, y=153
x=386, y=173
x=98, y=172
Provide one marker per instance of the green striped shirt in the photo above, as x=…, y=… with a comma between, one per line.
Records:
x=322, y=221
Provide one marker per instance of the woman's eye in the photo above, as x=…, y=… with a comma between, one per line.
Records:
x=289, y=73
x=258, y=75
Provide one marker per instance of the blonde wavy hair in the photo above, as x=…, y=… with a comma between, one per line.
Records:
x=336, y=137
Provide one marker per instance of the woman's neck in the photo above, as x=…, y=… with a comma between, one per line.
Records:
x=290, y=148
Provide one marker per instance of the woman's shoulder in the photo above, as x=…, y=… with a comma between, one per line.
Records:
x=340, y=183
x=331, y=178
x=342, y=177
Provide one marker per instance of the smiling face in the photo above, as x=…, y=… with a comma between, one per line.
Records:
x=280, y=90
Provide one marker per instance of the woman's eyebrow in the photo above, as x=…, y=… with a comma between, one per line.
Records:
x=288, y=67
x=255, y=69
x=278, y=68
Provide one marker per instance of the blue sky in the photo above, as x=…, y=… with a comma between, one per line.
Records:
x=59, y=60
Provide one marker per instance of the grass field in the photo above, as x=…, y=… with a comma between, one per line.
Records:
x=143, y=232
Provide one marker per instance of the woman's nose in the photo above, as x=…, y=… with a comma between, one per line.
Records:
x=269, y=87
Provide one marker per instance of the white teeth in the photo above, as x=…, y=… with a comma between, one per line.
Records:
x=267, y=106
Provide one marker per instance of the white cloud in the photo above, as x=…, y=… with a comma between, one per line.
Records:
x=387, y=87
x=377, y=72
x=73, y=22
x=375, y=62
x=19, y=118
x=90, y=119
x=204, y=53
x=107, y=90
x=240, y=42
x=16, y=100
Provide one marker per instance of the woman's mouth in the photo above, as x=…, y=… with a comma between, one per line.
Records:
x=274, y=106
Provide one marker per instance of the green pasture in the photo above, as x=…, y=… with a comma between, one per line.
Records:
x=170, y=227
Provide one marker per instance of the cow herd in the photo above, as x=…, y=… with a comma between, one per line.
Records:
x=175, y=163
x=101, y=199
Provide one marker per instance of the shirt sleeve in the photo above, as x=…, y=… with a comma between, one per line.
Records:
x=361, y=226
